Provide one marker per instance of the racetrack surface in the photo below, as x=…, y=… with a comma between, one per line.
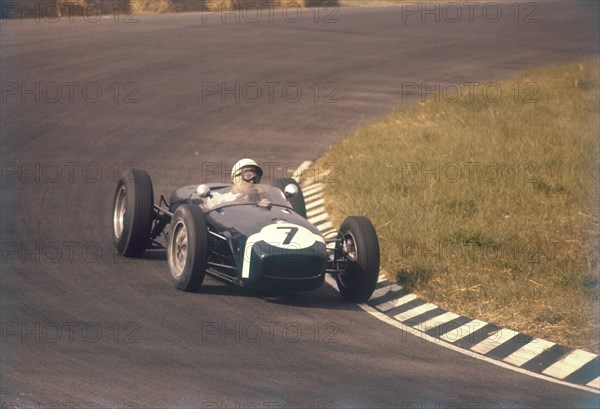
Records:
x=63, y=291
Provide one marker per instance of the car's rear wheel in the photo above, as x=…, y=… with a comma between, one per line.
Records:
x=133, y=205
x=187, y=253
x=296, y=201
x=360, y=247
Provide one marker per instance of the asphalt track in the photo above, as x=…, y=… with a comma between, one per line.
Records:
x=63, y=293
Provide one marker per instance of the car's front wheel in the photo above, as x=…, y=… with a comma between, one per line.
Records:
x=360, y=247
x=132, y=213
x=187, y=248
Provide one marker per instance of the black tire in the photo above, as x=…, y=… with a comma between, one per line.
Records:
x=133, y=209
x=187, y=256
x=358, y=282
x=297, y=201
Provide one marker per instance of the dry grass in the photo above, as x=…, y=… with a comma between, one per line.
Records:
x=489, y=209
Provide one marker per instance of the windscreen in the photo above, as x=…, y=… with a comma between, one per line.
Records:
x=248, y=195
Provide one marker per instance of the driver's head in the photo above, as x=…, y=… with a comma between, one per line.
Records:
x=246, y=171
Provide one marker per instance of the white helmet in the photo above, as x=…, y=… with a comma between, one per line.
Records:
x=238, y=170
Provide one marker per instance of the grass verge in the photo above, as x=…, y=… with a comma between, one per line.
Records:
x=487, y=207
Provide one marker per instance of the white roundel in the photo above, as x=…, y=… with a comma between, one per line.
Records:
x=287, y=236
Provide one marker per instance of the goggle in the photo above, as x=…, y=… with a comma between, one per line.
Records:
x=250, y=175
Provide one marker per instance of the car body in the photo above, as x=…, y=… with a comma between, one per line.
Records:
x=258, y=240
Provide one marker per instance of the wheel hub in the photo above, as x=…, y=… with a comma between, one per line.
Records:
x=349, y=250
x=179, y=249
x=120, y=211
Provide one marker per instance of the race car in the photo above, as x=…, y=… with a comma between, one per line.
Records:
x=258, y=239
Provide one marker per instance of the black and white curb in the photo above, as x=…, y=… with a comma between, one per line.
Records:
x=501, y=346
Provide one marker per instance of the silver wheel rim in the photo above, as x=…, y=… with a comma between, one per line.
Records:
x=349, y=249
x=119, y=213
x=178, y=250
